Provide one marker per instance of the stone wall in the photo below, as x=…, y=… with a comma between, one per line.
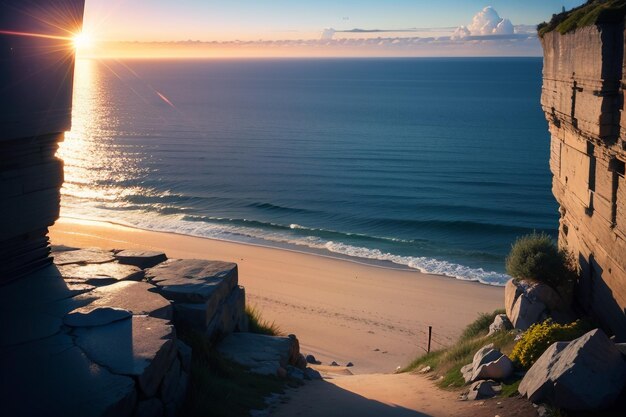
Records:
x=582, y=98
x=36, y=74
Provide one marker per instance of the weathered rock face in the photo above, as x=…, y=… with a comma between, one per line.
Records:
x=205, y=294
x=582, y=98
x=77, y=349
x=265, y=355
x=586, y=374
x=527, y=303
x=36, y=78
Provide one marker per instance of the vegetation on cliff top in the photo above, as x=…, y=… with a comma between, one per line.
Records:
x=536, y=257
x=591, y=13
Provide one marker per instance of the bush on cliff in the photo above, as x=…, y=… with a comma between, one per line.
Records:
x=591, y=13
x=536, y=257
x=541, y=336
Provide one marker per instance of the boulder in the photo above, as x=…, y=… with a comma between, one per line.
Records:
x=481, y=390
x=527, y=303
x=141, y=259
x=586, y=374
x=262, y=354
x=467, y=371
x=312, y=374
x=311, y=359
x=83, y=256
x=501, y=323
x=488, y=363
x=96, y=316
x=100, y=274
x=485, y=355
x=500, y=369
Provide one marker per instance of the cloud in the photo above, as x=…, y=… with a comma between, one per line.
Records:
x=327, y=34
x=485, y=23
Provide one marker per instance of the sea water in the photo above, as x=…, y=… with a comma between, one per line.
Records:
x=432, y=164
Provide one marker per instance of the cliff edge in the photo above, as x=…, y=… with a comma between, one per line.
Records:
x=583, y=100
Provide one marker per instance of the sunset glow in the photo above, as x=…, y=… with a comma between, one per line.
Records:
x=82, y=40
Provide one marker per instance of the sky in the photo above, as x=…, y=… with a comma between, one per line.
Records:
x=222, y=20
x=261, y=22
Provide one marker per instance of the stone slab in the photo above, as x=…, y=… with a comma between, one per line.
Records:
x=83, y=256
x=96, y=316
x=141, y=259
x=137, y=297
x=142, y=347
x=101, y=274
x=193, y=280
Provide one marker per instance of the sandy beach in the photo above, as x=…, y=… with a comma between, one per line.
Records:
x=341, y=311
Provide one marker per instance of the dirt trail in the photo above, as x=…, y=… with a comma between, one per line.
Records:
x=391, y=395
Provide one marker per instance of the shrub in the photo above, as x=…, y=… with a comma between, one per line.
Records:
x=536, y=257
x=540, y=336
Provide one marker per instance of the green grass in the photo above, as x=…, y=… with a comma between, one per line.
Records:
x=510, y=390
x=221, y=388
x=591, y=13
x=259, y=325
x=480, y=326
x=447, y=363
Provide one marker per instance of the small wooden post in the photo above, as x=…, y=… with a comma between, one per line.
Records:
x=430, y=335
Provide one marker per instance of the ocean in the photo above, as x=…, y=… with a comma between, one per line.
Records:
x=431, y=164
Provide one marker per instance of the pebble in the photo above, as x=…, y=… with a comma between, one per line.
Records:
x=333, y=363
x=349, y=364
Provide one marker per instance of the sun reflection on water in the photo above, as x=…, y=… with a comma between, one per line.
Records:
x=97, y=168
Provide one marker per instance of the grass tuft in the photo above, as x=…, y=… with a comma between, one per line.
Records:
x=259, y=325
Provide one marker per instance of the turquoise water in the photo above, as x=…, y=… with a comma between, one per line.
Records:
x=433, y=164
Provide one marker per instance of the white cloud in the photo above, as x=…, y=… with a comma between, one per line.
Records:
x=487, y=22
x=460, y=33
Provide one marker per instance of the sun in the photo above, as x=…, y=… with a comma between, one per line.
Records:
x=82, y=40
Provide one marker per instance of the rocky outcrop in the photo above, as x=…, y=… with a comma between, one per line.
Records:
x=78, y=349
x=586, y=374
x=35, y=110
x=582, y=98
x=204, y=294
x=262, y=354
x=527, y=303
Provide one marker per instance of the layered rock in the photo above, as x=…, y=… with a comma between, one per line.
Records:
x=582, y=98
x=36, y=83
x=78, y=349
x=205, y=294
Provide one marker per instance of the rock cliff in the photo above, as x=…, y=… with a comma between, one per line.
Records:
x=36, y=74
x=583, y=97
